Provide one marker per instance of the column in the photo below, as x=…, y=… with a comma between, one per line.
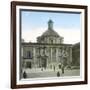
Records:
x=51, y=55
x=70, y=55
x=21, y=63
x=62, y=55
x=34, y=57
x=57, y=55
x=22, y=56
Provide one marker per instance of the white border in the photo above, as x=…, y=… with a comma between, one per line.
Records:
x=49, y=80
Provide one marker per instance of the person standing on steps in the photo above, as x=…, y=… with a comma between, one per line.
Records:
x=62, y=69
x=24, y=74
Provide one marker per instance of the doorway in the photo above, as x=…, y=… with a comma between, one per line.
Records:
x=44, y=62
x=29, y=65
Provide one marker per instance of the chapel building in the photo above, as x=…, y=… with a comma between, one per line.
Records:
x=48, y=52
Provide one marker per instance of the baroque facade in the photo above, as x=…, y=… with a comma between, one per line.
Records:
x=48, y=52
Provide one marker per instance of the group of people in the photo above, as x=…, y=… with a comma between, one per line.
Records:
x=59, y=72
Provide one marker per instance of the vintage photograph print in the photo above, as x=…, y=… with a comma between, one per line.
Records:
x=49, y=44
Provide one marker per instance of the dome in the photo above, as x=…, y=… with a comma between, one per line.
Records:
x=50, y=36
x=50, y=33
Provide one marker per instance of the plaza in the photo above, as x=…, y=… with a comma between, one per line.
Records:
x=38, y=73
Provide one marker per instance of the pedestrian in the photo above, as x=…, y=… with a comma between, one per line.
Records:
x=54, y=68
x=62, y=69
x=58, y=74
x=24, y=74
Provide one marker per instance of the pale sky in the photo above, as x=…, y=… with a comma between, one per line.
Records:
x=67, y=25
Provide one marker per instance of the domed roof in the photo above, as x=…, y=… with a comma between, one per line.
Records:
x=50, y=33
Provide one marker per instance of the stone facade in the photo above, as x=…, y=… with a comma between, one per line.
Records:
x=48, y=52
x=76, y=54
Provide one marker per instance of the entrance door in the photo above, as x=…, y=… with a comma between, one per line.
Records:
x=44, y=63
x=29, y=65
x=59, y=66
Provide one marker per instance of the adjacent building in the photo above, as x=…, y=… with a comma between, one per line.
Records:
x=76, y=54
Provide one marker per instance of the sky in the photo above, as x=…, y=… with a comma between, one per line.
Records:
x=34, y=23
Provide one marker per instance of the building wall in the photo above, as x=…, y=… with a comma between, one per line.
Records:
x=47, y=56
x=76, y=54
x=50, y=39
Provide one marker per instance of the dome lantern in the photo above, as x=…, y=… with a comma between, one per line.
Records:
x=50, y=25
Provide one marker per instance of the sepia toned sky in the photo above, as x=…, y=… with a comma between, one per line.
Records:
x=67, y=25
